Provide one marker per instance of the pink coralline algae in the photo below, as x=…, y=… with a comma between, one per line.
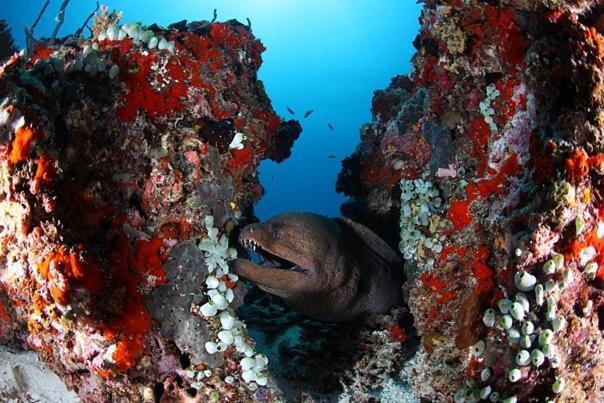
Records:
x=114, y=150
x=509, y=305
x=408, y=152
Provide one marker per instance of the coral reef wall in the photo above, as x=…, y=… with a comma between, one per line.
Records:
x=126, y=160
x=490, y=157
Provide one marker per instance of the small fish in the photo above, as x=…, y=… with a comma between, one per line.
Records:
x=308, y=113
x=331, y=127
x=332, y=157
x=290, y=110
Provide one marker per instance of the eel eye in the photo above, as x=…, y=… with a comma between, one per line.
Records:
x=275, y=230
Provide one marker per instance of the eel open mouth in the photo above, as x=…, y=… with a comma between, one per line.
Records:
x=270, y=260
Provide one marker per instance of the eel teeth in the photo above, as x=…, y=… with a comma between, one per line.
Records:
x=250, y=244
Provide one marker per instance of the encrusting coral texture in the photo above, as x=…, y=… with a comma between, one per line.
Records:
x=126, y=160
x=496, y=141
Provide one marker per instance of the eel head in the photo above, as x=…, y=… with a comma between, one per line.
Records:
x=291, y=247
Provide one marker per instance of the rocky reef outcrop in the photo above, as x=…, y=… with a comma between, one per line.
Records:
x=126, y=161
x=486, y=167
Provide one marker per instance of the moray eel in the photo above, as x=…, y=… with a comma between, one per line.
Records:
x=329, y=269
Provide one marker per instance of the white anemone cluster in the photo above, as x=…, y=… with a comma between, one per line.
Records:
x=90, y=61
x=232, y=332
x=486, y=109
x=419, y=220
x=139, y=36
x=530, y=322
x=216, y=249
x=93, y=62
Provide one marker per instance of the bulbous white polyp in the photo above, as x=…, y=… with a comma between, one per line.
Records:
x=210, y=347
x=227, y=320
x=153, y=41
x=489, y=318
x=113, y=32
x=524, y=281
x=209, y=309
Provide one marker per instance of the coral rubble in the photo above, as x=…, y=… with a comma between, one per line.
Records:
x=496, y=142
x=126, y=160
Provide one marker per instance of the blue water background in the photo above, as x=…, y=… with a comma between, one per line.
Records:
x=326, y=55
